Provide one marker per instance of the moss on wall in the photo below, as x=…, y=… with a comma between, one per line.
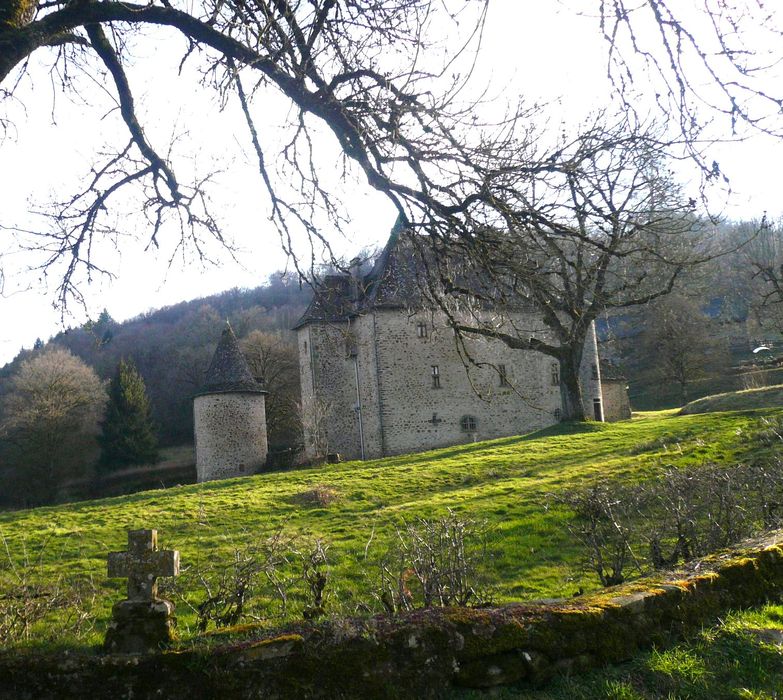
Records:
x=423, y=653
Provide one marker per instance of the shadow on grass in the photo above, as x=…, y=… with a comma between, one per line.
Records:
x=730, y=665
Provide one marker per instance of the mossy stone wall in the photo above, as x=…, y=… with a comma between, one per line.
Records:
x=425, y=653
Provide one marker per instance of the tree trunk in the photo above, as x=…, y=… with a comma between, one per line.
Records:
x=570, y=386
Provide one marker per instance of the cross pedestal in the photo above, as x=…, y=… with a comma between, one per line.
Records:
x=143, y=623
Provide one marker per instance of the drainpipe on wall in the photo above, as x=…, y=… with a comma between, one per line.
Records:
x=359, y=406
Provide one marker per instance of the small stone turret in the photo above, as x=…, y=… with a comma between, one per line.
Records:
x=229, y=415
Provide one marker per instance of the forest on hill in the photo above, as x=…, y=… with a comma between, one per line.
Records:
x=171, y=348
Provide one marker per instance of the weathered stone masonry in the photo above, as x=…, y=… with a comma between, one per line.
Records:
x=388, y=379
x=229, y=416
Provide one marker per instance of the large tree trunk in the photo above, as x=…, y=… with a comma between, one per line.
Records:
x=570, y=385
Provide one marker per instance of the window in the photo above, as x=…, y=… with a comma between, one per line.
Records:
x=350, y=345
x=599, y=413
x=555, y=374
x=435, y=377
x=503, y=375
x=467, y=424
x=558, y=414
x=594, y=371
x=421, y=330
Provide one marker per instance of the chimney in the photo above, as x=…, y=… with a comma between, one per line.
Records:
x=355, y=270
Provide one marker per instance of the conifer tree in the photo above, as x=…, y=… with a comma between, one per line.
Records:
x=127, y=432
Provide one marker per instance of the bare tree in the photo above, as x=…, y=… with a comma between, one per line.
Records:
x=599, y=224
x=761, y=263
x=680, y=342
x=49, y=420
x=275, y=362
x=364, y=70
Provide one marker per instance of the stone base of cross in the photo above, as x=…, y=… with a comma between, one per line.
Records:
x=143, y=623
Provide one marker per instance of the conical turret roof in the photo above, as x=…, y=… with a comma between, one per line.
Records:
x=228, y=370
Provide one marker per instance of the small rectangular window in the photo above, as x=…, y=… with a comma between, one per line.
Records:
x=421, y=330
x=351, y=350
x=503, y=375
x=555, y=374
x=467, y=424
x=598, y=410
x=435, y=377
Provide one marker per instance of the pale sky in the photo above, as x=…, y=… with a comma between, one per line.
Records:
x=530, y=48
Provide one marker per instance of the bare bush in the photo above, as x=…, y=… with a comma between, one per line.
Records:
x=435, y=563
x=602, y=524
x=319, y=496
x=249, y=586
x=28, y=595
x=315, y=575
x=680, y=515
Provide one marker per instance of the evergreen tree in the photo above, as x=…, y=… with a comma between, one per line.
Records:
x=127, y=433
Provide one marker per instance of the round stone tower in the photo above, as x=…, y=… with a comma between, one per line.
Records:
x=229, y=415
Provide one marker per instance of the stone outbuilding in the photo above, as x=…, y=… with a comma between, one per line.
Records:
x=229, y=415
x=614, y=389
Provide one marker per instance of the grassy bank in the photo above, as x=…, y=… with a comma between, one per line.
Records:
x=505, y=481
x=749, y=399
x=740, y=657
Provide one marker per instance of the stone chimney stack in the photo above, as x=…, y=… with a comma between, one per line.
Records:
x=355, y=270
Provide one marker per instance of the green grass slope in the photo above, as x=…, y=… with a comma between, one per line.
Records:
x=505, y=481
x=749, y=399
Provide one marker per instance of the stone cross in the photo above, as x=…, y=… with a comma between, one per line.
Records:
x=435, y=420
x=142, y=564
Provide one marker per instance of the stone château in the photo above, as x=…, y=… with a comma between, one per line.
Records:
x=381, y=374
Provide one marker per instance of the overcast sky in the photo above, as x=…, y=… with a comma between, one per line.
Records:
x=530, y=47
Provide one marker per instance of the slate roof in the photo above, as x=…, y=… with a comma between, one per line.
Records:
x=610, y=372
x=392, y=283
x=395, y=282
x=228, y=371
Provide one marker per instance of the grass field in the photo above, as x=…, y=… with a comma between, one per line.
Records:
x=506, y=481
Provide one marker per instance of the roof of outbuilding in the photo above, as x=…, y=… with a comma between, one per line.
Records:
x=610, y=372
x=228, y=371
